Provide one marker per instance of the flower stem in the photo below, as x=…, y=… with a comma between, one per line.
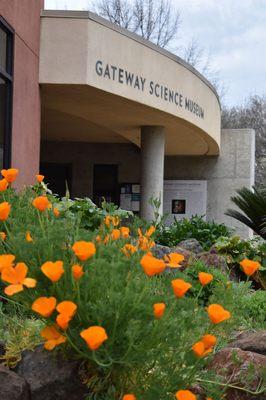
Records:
x=233, y=386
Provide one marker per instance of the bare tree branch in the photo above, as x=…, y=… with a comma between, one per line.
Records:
x=119, y=12
x=153, y=20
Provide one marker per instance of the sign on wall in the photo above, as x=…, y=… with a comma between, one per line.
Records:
x=140, y=83
x=182, y=199
x=130, y=197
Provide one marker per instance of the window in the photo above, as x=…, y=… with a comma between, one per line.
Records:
x=6, y=81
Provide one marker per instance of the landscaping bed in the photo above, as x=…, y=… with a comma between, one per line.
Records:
x=93, y=308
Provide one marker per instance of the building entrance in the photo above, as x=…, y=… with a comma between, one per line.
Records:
x=58, y=176
x=105, y=183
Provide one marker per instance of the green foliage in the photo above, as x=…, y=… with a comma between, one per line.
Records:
x=236, y=249
x=18, y=331
x=89, y=214
x=203, y=295
x=252, y=203
x=254, y=309
x=204, y=231
x=149, y=357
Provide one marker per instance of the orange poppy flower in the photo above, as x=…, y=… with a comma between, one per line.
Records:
x=3, y=185
x=144, y=241
x=152, y=265
x=158, y=310
x=185, y=395
x=205, y=278
x=173, y=260
x=111, y=220
x=53, y=270
x=217, y=313
x=4, y=210
x=40, y=178
x=128, y=249
x=115, y=234
x=84, y=250
x=129, y=397
x=56, y=212
x=28, y=237
x=200, y=350
x=209, y=341
x=125, y=232
x=180, y=287
x=94, y=336
x=67, y=310
x=67, y=307
x=62, y=321
x=150, y=231
x=10, y=174
x=249, y=267
x=44, y=306
x=98, y=239
x=77, y=271
x=41, y=203
x=17, y=277
x=145, y=244
x=106, y=239
x=53, y=337
x=3, y=235
x=6, y=261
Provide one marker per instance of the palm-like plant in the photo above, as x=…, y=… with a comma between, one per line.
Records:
x=252, y=203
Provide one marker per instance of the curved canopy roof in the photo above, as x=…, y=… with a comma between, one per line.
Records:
x=101, y=83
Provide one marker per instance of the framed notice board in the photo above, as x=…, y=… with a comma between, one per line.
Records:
x=130, y=197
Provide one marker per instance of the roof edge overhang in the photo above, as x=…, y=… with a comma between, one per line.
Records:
x=94, y=17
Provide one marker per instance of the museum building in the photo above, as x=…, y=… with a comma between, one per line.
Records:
x=90, y=104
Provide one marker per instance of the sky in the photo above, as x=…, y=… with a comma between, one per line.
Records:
x=232, y=34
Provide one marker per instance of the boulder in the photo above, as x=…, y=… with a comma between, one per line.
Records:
x=51, y=376
x=242, y=369
x=12, y=386
x=212, y=259
x=251, y=341
x=191, y=245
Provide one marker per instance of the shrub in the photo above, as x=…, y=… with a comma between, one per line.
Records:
x=252, y=204
x=236, y=249
x=103, y=299
x=196, y=227
x=89, y=214
x=19, y=331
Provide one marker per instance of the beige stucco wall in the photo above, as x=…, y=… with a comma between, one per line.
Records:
x=71, y=45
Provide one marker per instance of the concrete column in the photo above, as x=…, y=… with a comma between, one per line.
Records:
x=152, y=168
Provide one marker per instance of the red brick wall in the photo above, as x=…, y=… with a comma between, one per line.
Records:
x=24, y=17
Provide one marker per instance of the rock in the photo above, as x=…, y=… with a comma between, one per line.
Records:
x=251, y=341
x=12, y=386
x=160, y=251
x=50, y=376
x=212, y=259
x=191, y=245
x=242, y=369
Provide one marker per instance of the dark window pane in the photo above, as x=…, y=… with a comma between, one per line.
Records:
x=3, y=49
x=3, y=89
